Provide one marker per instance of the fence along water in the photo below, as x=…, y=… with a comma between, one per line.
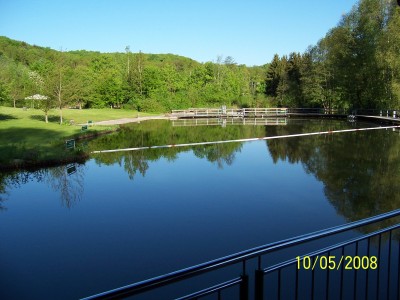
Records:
x=373, y=258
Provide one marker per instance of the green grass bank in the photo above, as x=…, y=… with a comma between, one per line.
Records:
x=26, y=141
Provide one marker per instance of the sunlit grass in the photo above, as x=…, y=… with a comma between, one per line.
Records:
x=25, y=131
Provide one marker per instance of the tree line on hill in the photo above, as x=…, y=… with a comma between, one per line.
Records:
x=356, y=65
x=146, y=82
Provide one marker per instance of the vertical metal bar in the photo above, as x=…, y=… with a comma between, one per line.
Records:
x=379, y=259
x=341, y=277
x=244, y=285
x=389, y=259
x=279, y=283
x=297, y=283
x=244, y=288
x=312, y=283
x=398, y=272
x=367, y=272
x=355, y=274
x=327, y=278
x=219, y=295
x=259, y=285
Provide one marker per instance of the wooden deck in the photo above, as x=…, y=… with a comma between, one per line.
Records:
x=381, y=119
x=229, y=112
x=223, y=122
x=265, y=113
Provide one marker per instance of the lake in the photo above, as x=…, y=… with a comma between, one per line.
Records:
x=77, y=230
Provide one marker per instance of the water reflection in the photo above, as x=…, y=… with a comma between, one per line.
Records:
x=360, y=170
x=173, y=215
x=162, y=133
x=67, y=180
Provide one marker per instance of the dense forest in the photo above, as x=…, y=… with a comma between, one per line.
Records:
x=356, y=65
x=146, y=82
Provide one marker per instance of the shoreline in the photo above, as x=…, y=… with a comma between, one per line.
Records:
x=79, y=156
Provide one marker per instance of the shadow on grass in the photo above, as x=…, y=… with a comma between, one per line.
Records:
x=4, y=117
x=32, y=145
x=52, y=119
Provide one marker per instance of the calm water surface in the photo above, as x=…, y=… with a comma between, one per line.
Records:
x=128, y=216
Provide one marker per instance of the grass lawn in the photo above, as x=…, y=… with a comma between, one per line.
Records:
x=24, y=135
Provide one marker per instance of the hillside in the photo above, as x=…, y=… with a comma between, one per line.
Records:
x=148, y=82
x=356, y=65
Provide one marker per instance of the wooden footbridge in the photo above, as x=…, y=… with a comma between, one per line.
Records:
x=223, y=122
x=229, y=112
x=383, y=116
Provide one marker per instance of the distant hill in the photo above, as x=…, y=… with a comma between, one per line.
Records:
x=27, y=54
x=150, y=82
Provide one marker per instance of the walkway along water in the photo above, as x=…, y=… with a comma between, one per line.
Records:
x=243, y=113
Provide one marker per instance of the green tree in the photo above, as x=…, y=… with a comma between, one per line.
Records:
x=387, y=56
x=58, y=85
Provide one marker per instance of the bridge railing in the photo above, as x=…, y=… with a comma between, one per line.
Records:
x=189, y=122
x=319, y=111
x=229, y=112
x=265, y=112
x=375, y=266
x=378, y=112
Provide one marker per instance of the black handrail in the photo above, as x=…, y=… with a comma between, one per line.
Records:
x=145, y=285
x=328, y=249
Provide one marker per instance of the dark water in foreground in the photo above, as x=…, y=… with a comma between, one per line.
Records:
x=127, y=216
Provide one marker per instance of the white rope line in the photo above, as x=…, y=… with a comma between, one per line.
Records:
x=245, y=140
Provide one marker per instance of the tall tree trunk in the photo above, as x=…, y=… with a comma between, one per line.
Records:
x=61, y=116
x=59, y=98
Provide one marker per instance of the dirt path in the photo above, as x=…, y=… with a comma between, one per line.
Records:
x=133, y=120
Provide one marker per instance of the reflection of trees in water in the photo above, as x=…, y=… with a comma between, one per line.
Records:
x=155, y=133
x=16, y=180
x=70, y=186
x=135, y=161
x=360, y=170
x=219, y=153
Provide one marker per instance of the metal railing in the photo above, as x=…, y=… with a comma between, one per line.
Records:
x=318, y=111
x=223, y=122
x=389, y=113
x=246, y=260
x=278, y=112
x=228, y=112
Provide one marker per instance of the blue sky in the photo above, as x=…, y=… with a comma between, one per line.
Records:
x=251, y=31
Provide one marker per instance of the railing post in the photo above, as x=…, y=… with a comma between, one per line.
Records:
x=244, y=287
x=259, y=285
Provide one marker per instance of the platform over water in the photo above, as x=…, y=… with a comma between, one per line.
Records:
x=196, y=113
x=381, y=119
